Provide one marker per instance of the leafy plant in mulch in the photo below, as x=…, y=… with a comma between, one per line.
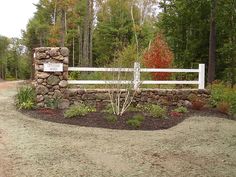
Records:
x=178, y=112
x=136, y=121
x=26, y=97
x=78, y=110
x=111, y=118
x=154, y=110
x=222, y=95
x=108, y=109
x=181, y=109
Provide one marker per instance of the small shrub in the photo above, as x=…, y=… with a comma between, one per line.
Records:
x=108, y=109
x=223, y=107
x=221, y=93
x=181, y=109
x=111, y=118
x=132, y=109
x=139, y=117
x=198, y=104
x=134, y=123
x=78, y=110
x=26, y=97
x=155, y=110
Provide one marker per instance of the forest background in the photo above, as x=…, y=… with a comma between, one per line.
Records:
x=102, y=33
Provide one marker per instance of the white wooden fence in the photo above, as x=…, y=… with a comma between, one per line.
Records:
x=137, y=71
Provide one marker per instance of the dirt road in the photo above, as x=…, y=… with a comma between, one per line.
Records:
x=199, y=146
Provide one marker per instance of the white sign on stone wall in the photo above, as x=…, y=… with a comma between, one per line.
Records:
x=52, y=67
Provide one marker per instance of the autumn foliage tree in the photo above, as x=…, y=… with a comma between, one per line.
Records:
x=159, y=55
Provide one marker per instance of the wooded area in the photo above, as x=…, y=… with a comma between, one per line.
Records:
x=102, y=33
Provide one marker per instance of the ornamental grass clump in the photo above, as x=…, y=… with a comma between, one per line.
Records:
x=26, y=97
x=78, y=110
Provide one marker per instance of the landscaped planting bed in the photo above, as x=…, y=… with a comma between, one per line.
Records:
x=130, y=115
x=102, y=119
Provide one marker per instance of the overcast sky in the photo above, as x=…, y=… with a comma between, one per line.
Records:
x=14, y=16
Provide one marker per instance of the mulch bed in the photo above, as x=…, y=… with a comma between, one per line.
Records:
x=97, y=119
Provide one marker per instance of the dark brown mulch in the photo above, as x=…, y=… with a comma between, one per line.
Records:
x=97, y=119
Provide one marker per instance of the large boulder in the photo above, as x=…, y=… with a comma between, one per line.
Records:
x=40, y=98
x=57, y=94
x=54, y=52
x=41, y=90
x=40, y=56
x=64, y=51
x=53, y=80
x=63, y=83
x=42, y=75
x=63, y=104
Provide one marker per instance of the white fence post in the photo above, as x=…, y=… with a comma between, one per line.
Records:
x=136, y=75
x=201, y=76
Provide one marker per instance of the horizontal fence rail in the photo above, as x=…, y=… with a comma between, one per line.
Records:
x=137, y=72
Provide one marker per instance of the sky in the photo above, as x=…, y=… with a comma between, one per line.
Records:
x=14, y=16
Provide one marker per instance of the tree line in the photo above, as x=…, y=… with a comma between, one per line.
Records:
x=105, y=32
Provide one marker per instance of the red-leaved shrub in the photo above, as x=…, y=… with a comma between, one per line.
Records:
x=159, y=56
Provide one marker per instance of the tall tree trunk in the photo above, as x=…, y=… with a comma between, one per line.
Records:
x=86, y=36
x=233, y=63
x=2, y=71
x=40, y=40
x=233, y=56
x=63, y=27
x=55, y=13
x=164, y=2
x=91, y=34
x=212, y=48
x=80, y=45
x=73, y=51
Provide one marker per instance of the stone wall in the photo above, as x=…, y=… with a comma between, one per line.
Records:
x=153, y=96
x=51, y=85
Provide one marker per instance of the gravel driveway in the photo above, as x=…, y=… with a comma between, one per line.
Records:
x=200, y=146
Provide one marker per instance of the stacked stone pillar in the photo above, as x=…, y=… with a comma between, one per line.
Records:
x=51, y=86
